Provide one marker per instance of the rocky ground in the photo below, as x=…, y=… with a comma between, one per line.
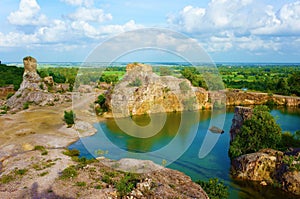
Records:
x=30, y=171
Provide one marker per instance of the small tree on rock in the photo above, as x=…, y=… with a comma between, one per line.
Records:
x=259, y=132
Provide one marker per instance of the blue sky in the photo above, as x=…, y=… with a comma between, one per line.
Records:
x=228, y=30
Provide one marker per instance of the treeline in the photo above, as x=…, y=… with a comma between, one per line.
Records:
x=11, y=75
x=283, y=80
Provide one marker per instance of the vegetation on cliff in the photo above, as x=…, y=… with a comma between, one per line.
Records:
x=259, y=132
x=214, y=188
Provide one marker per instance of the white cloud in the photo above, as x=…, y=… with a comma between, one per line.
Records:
x=285, y=21
x=239, y=24
x=57, y=31
x=90, y=14
x=14, y=39
x=27, y=14
x=86, y=3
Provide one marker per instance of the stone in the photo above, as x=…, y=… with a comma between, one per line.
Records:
x=240, y=115
x=33, y=90
x=143, y=92
x=268, y=167
x=49, y=81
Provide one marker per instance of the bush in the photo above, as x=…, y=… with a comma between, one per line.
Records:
x=9, y=95
x=72, y=152
x=26, y=105
x=69, y=172
x=259, y=132
x=214, y=188
x=289, y=140
x=136, y=83
x=42, y=149
x=126, y=184
x=69, y=118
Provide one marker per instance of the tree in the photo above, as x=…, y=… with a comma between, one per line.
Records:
x=259, y=132
x=69, y=118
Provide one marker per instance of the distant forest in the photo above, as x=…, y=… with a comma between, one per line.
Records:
x=281, y=79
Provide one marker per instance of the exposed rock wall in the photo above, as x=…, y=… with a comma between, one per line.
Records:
x=241, y=98
x=240, y=115
x=142, y=91
x=33, y=89
x=267, y=167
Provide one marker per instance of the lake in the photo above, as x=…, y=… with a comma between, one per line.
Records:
x=177, y=146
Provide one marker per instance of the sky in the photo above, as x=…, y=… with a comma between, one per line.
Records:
x=228, y=30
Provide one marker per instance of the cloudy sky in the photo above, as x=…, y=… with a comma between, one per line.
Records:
x=228, y=30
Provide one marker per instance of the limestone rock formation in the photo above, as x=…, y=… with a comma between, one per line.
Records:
x=142, y=91
x=33, y=89
x=239, y=98
x=240, y=115
x=268, y=167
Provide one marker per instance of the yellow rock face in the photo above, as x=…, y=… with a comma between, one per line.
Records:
x=27, y=147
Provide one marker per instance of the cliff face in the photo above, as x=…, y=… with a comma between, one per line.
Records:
x=236, y=97
x=240, y=115
x=33, y=89
x=267, y=167
x=142, y=91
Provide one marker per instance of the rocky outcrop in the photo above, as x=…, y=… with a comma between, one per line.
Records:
x=241, y=98
x=142, y=91
x=269, y=166
x=33, y=89
x=240, y=115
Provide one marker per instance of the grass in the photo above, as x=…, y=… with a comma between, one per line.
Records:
x=42, y=149
x=69, y=172
x=80, y=184
x=44, y=173
x=127, y=183
x=6, y=179
x=71, y=152
x=21, y=171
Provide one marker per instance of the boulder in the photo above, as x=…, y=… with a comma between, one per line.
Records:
x=49, y=81
x=33, y=89
x=142, y=91
x=268, y=167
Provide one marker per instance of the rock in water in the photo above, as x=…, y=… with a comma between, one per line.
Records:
x=33, y=89
x=240, y=115
x=143, y=92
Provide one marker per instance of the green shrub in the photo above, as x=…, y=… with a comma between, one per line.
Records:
x=69, y=172
x=26, y=105
x=21, y=171
x=9, y=95
x=80, y=184
x=136, y=83
x=214, y=188
x=71, y=152
x=127, y=183
x=6, y=179
x=69, y=118
x=259, y=132
x=42, y=149
x=289, y=140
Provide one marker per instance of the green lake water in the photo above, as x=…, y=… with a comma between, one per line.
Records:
x=178, y=144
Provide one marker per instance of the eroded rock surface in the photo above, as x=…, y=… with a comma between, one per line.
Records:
x=268, y=166
x=240, y=115
x=33, y=89
x=142, y=91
